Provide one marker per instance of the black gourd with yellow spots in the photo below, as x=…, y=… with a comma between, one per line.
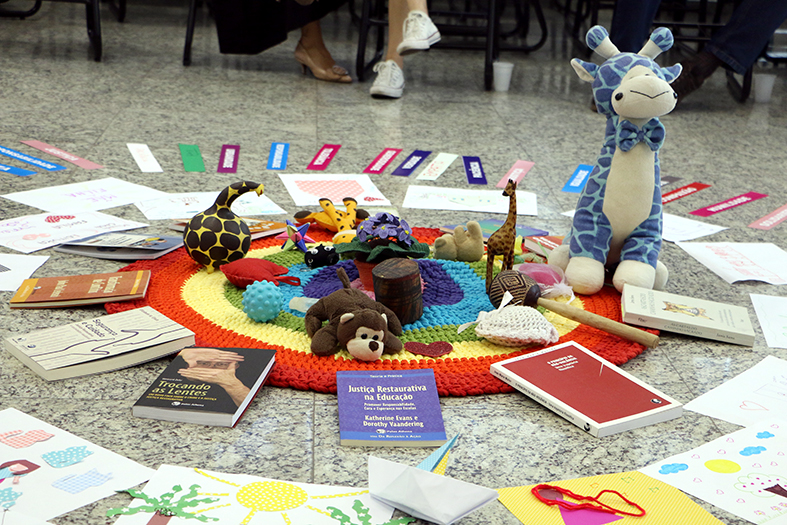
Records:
x=217, y=236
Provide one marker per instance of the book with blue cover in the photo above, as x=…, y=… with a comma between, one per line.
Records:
x=394, y=408
x=490, y=226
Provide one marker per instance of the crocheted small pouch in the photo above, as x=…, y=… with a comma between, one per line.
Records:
x=516, y=326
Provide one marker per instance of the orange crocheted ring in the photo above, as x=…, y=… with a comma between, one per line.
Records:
x=456, y=373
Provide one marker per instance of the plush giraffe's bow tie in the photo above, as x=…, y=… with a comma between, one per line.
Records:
x=627, y=134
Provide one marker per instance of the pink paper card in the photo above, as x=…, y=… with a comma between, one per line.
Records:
x=770, y=220
x=59, y=153
x=729, y=203
x=516, y=173
x=382, y=161
x=683, y=191
x=323, y=157
x=228, y=159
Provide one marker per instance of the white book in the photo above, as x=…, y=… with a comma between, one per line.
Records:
x=686, y=315
x=100, y=345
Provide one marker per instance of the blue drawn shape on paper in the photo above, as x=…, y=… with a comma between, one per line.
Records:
x=765, y=435
x=750, y=451
x=8, y=497
x=673, y=468
x=76, y=483
x=67, y=457
x=5, y=473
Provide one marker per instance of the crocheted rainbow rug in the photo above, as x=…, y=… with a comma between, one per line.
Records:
x=454, y=293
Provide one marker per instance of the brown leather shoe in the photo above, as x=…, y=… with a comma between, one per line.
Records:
x=696, y=69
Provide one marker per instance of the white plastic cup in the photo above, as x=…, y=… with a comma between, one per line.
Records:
x=502, y=72
x=763, y=87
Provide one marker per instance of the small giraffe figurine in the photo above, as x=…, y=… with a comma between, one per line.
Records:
x=502, y=241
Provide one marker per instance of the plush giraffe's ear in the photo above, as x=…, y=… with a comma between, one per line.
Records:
x=671, y=73
x=585, y=70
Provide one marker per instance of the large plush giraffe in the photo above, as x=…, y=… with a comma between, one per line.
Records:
x=501, y=242
x=617, y=223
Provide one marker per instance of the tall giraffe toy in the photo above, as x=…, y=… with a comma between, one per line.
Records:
x=617, y=224
x=501, y=242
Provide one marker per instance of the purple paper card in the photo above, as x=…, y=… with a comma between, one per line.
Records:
x=474, y=170
x=228, y=160
x=409, y=165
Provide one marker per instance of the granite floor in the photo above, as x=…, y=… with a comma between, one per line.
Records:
x=51, y=90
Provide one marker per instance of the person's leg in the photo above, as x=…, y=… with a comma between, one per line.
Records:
x=397, y=13
x=735, y=46
x=632, y=21
x=742, y=39
x=312, y=53
x=418, y=30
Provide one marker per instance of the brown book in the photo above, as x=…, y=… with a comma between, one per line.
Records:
x=257, y=227
x=76, y=290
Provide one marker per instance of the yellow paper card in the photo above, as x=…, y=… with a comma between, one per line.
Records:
x=663, y=504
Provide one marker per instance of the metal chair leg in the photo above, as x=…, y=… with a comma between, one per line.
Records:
x=93, y=16
x=192, y=21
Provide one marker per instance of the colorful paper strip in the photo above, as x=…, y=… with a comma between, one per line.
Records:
x=323, y=157
x=277, y=158
x=382, y=161
x=41, y=163
x=578, y=179
x=729, y=203
x=13, y=170
x=474, y=170
x=144, y=158
x=59, y=153
x=516, y=173
x=437, y=166
x=770, y=220
x=412, y=162
x=681, y=192
x=192, y=158
x=228, y=159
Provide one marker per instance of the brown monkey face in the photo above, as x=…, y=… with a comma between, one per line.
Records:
x=367, y=345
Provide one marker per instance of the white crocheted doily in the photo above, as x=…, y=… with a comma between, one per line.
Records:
x=516, y=326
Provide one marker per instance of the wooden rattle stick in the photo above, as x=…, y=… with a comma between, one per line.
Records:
x=588, y=318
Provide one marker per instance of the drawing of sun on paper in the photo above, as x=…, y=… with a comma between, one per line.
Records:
x=240, y=499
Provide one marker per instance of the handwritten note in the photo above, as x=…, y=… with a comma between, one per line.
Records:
x=741, y=261
x=772, y=315
x=85, y=196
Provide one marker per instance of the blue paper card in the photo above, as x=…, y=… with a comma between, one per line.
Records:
x=277, y=159
x=578, y=179
x=15, y=171
x=474, y=170
x=409, y=165
x=41, y=163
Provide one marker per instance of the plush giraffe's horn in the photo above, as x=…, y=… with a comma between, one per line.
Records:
x=660, y=40
x=598, y=40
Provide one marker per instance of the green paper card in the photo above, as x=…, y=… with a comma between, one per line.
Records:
x=192, y=158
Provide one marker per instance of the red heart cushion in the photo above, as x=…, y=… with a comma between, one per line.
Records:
x=435, y=349
x=244, y=272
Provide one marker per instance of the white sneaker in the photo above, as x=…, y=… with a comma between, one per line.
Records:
x=390, y=80
x=419, y=33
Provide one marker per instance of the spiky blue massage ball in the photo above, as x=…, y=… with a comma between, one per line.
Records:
x=262, y=301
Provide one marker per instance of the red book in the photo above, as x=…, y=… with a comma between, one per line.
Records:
x=586, y=389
